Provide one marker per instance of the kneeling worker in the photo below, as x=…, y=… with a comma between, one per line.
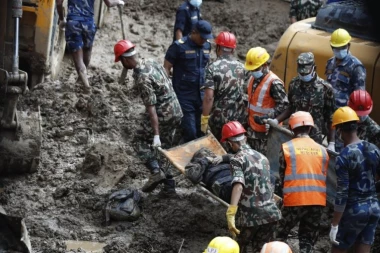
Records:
x=163, y=112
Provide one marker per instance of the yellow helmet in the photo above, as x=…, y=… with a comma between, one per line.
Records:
x=276, y=247
x=256, y=57
x=340, y=38
x=222, y=244
x=344, y=114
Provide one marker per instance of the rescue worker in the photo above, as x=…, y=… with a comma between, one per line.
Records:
x=188, y=57
x=251, y=190
x=344, y=71
x=80, y=32
x=188, y=14
x=356, y=211
x=368, y=130
x=266, y=97
x=222, y=244
x=308, y=92
x=276, y=247
x=303, y=169
x=163, y=112
x=215, y=175
x=300, y=10
x=224, y=88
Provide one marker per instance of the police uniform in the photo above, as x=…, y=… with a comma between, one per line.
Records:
x=356, y=168
x=189, y=61
x=258, y=213
x=303, y=169
x=155, y=89
x=226, y=76
x=186, y=17
x=80, y=26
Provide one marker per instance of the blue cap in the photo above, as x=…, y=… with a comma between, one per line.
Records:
x=204, y=28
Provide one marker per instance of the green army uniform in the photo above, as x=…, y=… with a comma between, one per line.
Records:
x=303, y=9
x=226, y=77
x=369, y=130
x=257, y=140
x=315, y=97
x=258, y=213
x=155, y=88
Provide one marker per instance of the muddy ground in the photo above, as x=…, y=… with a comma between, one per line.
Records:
x=87, y=152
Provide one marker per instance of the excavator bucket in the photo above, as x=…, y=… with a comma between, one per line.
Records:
x=278, y=135
x=20, y=131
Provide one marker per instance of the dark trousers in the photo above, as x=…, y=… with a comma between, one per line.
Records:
x=252, y=239
x=191, y=121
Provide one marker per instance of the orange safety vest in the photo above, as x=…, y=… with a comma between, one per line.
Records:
x=305, y=173
x=260, y=100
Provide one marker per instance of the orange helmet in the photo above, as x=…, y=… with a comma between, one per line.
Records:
x=231, y=129
x=276, y=247
x=361, y=102
x=121, y=47
x=300, y=118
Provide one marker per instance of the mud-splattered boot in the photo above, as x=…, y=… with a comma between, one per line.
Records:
x=155, y=178
x=169, y=187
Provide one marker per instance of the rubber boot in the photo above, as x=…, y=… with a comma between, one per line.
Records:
x=156, y=177
x=83, y=77
x=169, y=187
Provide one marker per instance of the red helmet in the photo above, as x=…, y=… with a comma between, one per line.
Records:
x=361, y=102
x=121, y=47
x=231, y=129
x=226, y=39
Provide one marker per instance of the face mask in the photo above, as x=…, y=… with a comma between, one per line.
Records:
x=363, y=118
x=340, y=53
x=306, y=78
x=257, y=74
x=196, y=3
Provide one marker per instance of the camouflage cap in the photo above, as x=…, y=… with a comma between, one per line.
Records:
x=305, y=63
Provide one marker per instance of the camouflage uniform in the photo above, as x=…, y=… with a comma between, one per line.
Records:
x=308, y=217
x=258, y=213
x=356, y=168
x=317, y=98
x=258, y=141
x=156, y=89
x=369, y=130
x=303, y=9
x=226, y=77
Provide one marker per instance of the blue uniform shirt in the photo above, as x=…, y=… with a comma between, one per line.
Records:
x=189, y=62
x=81, y=10
x=345, y=77
x=186, y=16
x=356, y=168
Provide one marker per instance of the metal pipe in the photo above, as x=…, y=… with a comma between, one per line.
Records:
x=15, y=66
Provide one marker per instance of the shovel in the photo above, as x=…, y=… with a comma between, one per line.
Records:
x=124, y=73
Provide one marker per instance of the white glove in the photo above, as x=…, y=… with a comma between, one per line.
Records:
x=216, y=160
x=62, y=24
x=156, y=141
x=331, y=146
x=121, y=2
x=267, y=126
x=333, y=232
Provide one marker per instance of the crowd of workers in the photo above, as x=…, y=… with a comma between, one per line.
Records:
x=188, y=95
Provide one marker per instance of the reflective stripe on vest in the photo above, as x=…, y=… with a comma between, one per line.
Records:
x=260, y=101
x=305, y=173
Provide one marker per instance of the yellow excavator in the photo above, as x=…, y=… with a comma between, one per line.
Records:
x=313, y=35
x=31, y=50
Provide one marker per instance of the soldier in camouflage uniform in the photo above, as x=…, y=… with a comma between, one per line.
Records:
x=163, y=112
x=303, y=169
x=344, y=71
x=224, y=84
x=310, y=93
x=357, y=211
x=252, y=192
x=303, y=9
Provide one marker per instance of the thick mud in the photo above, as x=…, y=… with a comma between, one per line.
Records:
x=87, y=151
